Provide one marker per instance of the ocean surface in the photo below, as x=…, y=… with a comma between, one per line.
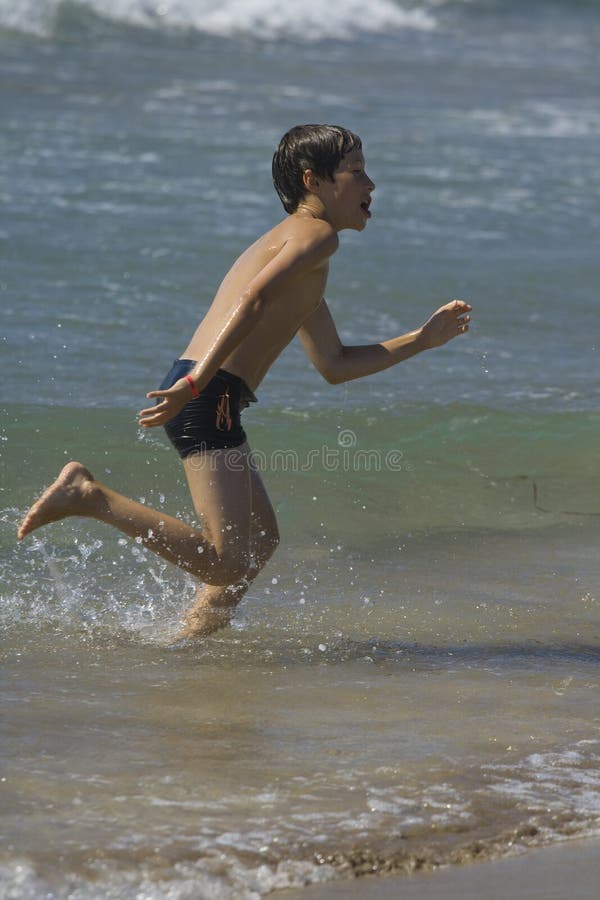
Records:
x=414, y=679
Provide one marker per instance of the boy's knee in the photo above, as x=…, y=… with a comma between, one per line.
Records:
x=232, y=566
x=237, y=571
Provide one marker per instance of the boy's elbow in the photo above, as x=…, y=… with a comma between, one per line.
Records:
x=253, y=305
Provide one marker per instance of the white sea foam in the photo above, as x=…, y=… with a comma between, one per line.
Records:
x=18, y=879
x=565, y=781
x=313, y=20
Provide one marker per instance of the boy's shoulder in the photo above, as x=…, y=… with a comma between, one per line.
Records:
x=311, y=235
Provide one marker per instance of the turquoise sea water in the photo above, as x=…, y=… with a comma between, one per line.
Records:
x=415, y=676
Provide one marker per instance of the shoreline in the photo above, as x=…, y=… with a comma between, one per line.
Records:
x=570, y=868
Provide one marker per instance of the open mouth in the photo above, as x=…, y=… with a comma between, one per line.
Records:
x=365, y=208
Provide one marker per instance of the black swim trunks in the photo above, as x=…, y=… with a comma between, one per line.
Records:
x=210, y=421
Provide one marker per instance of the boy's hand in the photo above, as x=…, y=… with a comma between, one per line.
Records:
x=174, y=399
x=446, y=323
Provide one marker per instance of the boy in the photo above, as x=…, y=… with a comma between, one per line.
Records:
x=273, y=291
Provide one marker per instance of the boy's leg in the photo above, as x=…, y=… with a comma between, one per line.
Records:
x=76, y=493
x=217, y=507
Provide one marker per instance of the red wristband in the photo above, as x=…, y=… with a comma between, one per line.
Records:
x=193, y=388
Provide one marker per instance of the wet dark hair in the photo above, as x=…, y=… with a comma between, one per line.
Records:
x=319, y=148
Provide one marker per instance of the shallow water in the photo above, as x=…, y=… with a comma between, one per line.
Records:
x=385, y=699
x=414, y=677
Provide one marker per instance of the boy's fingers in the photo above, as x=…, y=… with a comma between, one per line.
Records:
x=455, y=307
x=152, y=410
x=149, y=421
x=461, y=304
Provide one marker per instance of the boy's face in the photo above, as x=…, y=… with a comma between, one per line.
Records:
x=347, y=198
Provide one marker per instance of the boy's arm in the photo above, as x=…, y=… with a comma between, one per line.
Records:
x=296, y=258
x=337, y=362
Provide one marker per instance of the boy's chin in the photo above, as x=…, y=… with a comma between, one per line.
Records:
x=355, y=226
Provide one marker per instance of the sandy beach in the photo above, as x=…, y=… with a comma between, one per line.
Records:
x=568, y=871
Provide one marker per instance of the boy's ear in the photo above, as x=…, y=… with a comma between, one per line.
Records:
x=310, y=181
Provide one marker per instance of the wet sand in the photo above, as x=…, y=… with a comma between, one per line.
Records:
x=570, y=870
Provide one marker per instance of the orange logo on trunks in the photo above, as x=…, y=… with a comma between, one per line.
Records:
x=223, y=417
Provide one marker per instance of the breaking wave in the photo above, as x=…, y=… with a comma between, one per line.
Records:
x=311, y=21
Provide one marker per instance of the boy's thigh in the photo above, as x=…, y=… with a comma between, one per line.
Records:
x=221, y=489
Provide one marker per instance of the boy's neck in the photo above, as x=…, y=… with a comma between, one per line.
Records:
x=312, y=209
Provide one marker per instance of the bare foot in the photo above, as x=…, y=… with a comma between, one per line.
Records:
x=203, y=621
x=68, y=496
